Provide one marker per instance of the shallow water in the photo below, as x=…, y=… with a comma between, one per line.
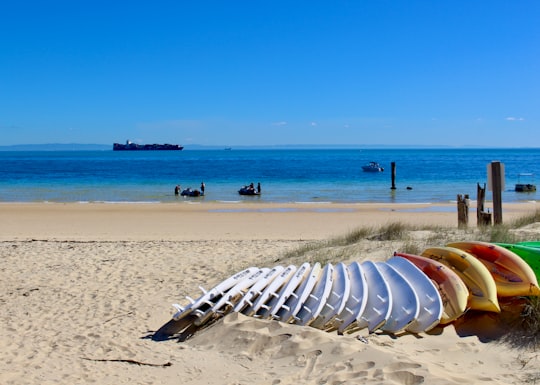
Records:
x=422, y=175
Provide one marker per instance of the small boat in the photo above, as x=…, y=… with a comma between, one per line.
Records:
x=246, y=190
x=191, y=193
x=250, y=190
x=525, y=187
x=372, y=167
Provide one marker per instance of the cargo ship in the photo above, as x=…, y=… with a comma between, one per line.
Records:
x=130, y=146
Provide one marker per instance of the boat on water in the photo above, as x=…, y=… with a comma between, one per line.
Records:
x=525, y=187
x=250, y=190
x=130, y=146
x=191, y=193
x=372, y=167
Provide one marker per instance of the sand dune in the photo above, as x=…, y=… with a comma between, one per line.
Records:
x=78, y=303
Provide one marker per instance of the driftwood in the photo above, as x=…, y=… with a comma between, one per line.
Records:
x=127, y=361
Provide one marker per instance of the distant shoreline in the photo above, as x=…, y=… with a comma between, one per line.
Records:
x=200, y=147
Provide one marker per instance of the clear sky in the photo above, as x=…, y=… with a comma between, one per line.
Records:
x=389, y=72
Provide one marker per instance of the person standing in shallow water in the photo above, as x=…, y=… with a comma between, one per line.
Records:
x=259, y=187
x=202, y=188
x=177, y=190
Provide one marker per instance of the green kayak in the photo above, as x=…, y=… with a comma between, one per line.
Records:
x=535, y=244
x=529, y=254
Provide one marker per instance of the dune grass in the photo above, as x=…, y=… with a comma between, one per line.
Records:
x=523, y=331
x=404, y=233
x=394, y=236
x=526, y=332
x=505, y=233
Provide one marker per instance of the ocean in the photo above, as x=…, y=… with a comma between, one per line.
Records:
x=286, y=175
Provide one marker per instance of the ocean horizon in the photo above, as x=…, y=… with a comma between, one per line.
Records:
x=423, y=175
x=199, y=147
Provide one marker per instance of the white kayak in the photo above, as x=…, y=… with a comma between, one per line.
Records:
x=405, y=306
x=357, y=301
x=287, y=290
x=379, y=301
x=430, y=302
x=210, y=297
x=294, y=303
x=249, y=298
x=232, y=296
x=186, y=317
x=260, y=306
x=316, y=300
x=341, y=288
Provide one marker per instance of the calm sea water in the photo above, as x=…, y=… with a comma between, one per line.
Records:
x=433, y=175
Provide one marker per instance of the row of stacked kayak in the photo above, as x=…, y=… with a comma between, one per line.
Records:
x=406, y=293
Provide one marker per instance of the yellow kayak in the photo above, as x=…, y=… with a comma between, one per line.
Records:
x=482, y=288
x=512, y=275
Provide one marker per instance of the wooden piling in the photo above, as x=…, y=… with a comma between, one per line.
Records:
x=393, y=167
x=463, y=210
x=496, y=187
x=482, y=218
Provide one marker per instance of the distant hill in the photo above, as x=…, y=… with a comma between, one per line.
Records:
x=57, y=147
x=106, y=147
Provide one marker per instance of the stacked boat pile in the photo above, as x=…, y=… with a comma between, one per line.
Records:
x=406, y=293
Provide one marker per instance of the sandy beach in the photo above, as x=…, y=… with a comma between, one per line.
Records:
x=192, y=221
x=84, y=286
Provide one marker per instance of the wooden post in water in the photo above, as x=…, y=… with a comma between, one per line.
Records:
x=393, y=166
x=463, y=210
x=482, y=218
x=496, y=188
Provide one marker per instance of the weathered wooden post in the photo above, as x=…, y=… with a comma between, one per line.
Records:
x=463, y=210
x=393, y=167
x=496, y=184
x=482, y=218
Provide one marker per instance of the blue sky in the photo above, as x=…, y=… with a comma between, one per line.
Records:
x=271, y=72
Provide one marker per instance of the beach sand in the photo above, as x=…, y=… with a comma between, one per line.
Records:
x=84, y=286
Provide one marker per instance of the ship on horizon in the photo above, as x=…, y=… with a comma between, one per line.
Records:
x=130, y=146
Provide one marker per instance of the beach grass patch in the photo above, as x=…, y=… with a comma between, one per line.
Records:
x=526, y=220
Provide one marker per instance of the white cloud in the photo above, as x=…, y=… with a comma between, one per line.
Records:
x=282, y=123
x=313, y=124
x=514, y=119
